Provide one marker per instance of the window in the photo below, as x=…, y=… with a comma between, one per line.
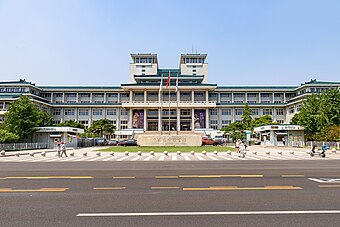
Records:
x=226, y=111
x=280, y=121
x=212, y=95
x=112, y=95
x=213, y=122
x=198, y=94
x=83, y=112
x=298, y=108
x=97, y=112
x=97, y=101
x=152, y=112
x=85, y=95
x=125, y=95
x=111, y=112
x=59, y=95
x=213, y=112
x=224, y=95
x=239, y=112
x=185, y=112
x=265, y=101
x=69, y=112
x=225, y=122
x=291, y=110
x=279, y=111
x=267, y=112
x=277, y=101
x=277, y=95
x=153, y=94
x=71, y=95
x=214, y=127
x=265, y=95
x=251, y=102
x=143, y=70
x=251, y=95
x=56, y=112
x=99, y=95
x=194, y=70
x=56, y=122
x=123, y=112
x=238, y=102
x=255, y=111
x=139, y=94
x=238, y=95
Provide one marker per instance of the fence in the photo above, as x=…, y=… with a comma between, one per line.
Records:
x=22, y=146
x=320, y=144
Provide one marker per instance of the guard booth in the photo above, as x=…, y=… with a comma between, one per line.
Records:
x=56, y=134
x=281, y=135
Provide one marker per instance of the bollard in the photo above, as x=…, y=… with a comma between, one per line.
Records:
x=215, y=153
x=307, y=152
x=98, y=154
x=279, y=152
x=204, y=152
x=229, y=152
x=165, y=152
x=292, y=152
x=43, y=154
x=268, y=152
x=112, y=153
x=192, y=152
x=32, y=154
x=178, y=152
x=85, y=154
x=72, y=154
x=333, y=150
x=17, y=154
x=139, y=153
x=126, y=153
x=152, y=153
x=2, y=153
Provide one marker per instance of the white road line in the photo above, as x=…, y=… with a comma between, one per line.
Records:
x=71, y=159
x=252, y=157
x=148, y=158
x=174, y=158
x=266, y=157
x=83, y=159
x=136, y=158
x=123, y=158
x=108, y=159
x=161, y=158
x=186, y=158
x=276, y=212
x=200, y=158
x=43, y=159
x=213, y=158
x=226, y=158
x=95, y=159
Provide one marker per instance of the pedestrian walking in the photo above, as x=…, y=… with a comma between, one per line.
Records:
x=58, y=150
x=63, y=150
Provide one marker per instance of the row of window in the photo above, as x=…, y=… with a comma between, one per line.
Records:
x=253, y=111
x=85, y=112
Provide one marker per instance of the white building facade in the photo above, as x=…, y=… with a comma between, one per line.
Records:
x=188, y=103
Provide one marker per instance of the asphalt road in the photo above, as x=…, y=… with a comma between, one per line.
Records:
x=244, y=193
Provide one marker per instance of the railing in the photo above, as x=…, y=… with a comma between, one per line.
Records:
x=321, y=143
x=22, y=146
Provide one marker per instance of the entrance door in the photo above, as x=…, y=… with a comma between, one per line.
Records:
x=152, y=126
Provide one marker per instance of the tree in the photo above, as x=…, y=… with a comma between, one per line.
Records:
x=23, y=117
x=102, y=127
x=8, y=137
x=260, y=121
x=246, y=117
x=72, y=123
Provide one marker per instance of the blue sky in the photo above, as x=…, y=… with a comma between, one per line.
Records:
x=69, y=42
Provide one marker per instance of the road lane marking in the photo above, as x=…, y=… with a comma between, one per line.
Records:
x=165, y=187
x=329, y=186
x=108, y=159
x=166, y=177
x=136, y=158
x=231, y=188
x=162, y=158
x=186, y=158
x=35, y=190
x=174, y=158
x=124, y=177
x=213, y=158
x=293, y=175
x=276, y=212
x=48, y=177
x=200, y=158
x=110, y=188
x=223, y=175
x=123, y=158
x=148, y=158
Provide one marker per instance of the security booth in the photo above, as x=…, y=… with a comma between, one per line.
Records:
x=281, y=135
x=56, y=134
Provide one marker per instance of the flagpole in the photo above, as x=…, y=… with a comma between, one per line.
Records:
x=169, y=102
x=177, y=106
x=161, y=100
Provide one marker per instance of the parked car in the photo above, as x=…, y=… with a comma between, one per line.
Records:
x=208, y=141
x=121, y=142
x=112, y=142
x=100, y=142
x=130, y=143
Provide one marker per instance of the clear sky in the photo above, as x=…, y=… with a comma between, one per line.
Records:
x=248, y=42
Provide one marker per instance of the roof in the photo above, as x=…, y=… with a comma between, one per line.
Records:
x=257, y=87
x=80, y=87
x=21, y=81
x=320, y=82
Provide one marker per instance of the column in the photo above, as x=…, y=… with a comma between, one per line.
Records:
x=118, y=118
x=76, y=114
x=105, y=97
x=192, y=119
x=232, y=97
x=192, y=96
x=91, y=97
x=159, y=120
x=178, y=111
x=130, y=118
x=51, y=97
x=62, y=114
x=207, y=96
x=145, y=122
x=145, y=96
x=207, y=118
x=118, y=100
x=246, y=97
x=274, y=114
x=63, y=97
x=90, y=117
x=273, y=98
x=233, y=115
x=77, y=98
x=218, y=97
x=259, y=97
x=130, y=96
x=284, y=97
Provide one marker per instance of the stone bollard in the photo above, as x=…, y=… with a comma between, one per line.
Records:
x=72, y=154
x=43, y=154
x=254, y=152
x=215, y=153
x=112, y=153
x=165, y=153
x=192, y=152
x=292, y=152
x=307, y=152
x=32, y=154
x=17, y=154
x=279, y=152
x=334, y=150
x=268, y=152
x=178, y=152
x=152, y=153
x=139, y=153
x=98, y=154
x=85, y=154
x=2, y=153
x=126, y=153
x=229, y=152
x=204, y=152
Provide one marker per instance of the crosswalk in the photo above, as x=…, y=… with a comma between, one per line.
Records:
x=223, y=156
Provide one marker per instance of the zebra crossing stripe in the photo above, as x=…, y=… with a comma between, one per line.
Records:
x=186, y=158
x=213, y=158
x=161, y=158
x=108, y=159
x=136, y=158
x=94, y=159
x=200, y=158
x=148, y=158
x=174, y=158
x=226, y=158
x=252, y=157
x=123, y=158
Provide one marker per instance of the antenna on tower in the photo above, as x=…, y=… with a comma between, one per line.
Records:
x=192, y=48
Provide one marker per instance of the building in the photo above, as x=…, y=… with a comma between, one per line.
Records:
x=190, y=102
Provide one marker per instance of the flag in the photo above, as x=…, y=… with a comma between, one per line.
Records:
x=161, y=85
x=176, y=85
x=168, y=81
